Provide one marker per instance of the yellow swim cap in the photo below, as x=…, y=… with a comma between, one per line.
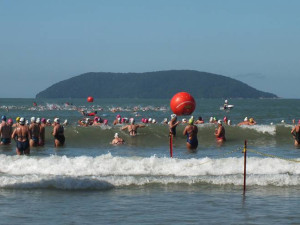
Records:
x=251, y=120
x=191, y=120
x=18, y=119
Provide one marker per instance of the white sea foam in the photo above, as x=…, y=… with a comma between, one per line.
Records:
x=270, y=129
x=106, y=171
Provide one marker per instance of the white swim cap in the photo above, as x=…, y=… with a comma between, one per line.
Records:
x=246, y=119
x=219, y=121
x=282, y=121
x=229, y=122
x=56, y=120
x=226, y=101
x=22, y=120
x=131, y=120
x=32, y=119
x=211, y=119
x=153, y=121
x=165, y=120
x=116, y=135
x=150, y=119
x=173, y=116
x=38, y=120
x=184, y=120
x=48, y=121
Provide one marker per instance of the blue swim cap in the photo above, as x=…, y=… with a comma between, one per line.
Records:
x=3, y=118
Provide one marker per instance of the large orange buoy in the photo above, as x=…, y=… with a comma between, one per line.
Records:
x=90, y=99
x=183, y=104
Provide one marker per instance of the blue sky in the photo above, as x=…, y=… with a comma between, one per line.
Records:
x=43, y=42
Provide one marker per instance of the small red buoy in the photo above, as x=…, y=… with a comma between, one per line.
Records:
x=90, y=99
x=183, y=104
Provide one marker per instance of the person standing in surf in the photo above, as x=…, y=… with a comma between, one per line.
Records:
x=5, y=132
x=191, y=132
x=173, y=124
x=23, y=136
x=132, y=128
x=58, y=133
x=296, y=133
x=220, y=132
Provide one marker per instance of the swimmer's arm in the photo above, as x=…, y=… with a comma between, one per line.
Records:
x=293, y=130
x=54, y=131
x=184, y=131
x=123, y=128
x=13, y=134
x=218, y=132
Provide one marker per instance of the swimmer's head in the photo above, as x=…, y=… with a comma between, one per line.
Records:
x=215, y=119
x=200, y=118
x=184, y=120
x=153, y=121
x=220, y=122
x=229, y=122
x=27, y=122
x=150, y=120
x=3, y=118
x=18, y=119
x=119, y=119
x=116, y=135
x=22, y=121
x=66, y=122
x=246, y=119
x=43, y=120
x=48, y=121
x=105, y=122
x=132, y=120
x=38, y=120
x=32, y=119
x=57, y=120
x=251, y=120
x=10, y=121
x=165, y=120
x=226, y=101
x=225, y=118
x=211, y=119
x=173, y=116
x=118, y=116
x=282, y=121
x=191, y=120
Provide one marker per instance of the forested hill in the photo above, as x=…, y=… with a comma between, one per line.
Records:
x=161, y=84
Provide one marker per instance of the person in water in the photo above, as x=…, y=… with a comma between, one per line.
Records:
x=220, y=132
x=42, y=132
x=173, y=124
x=132, y=128
x=58, y=133
x=296, y=133
x=22, y=135
x=117, y=140
x=191, y=132
x=34, y=130
x=199, y=120
x=5, y=131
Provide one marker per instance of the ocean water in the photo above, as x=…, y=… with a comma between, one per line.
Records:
x=90, y=181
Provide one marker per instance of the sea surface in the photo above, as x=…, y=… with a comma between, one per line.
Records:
x=89, y=181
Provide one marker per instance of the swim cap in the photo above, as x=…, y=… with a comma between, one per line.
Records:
x=184, y=120
x=43, y=120
x=215, y=118
x=131, y=120
x=229, y=122
x=66, y=121
x=56, y=120
x=48, y=121
x=246, y=119
x=116, y=135
x=226, y=101
x=105, y=122
x=3, y=118
x=150, y=119
x=191, y=120
x=299, y=122
x=18, y=119
x=199, y=118
x=118, y=116
x=225, y=118
x=282, y=121
x=32, y=119
x=143, y=120
x=10, y=120
x=173, y=116
x=38, y=120
x=165, y=120
x=219, y=121
x=22, y=121
x=251, y=120
x=211, y=119
x=153, y=121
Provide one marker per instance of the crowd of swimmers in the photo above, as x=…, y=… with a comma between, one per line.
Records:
x=30, y=134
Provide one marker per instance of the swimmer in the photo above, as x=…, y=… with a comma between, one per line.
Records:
x=184, y=120
x=88, y=113
x=34, y=130
x=220, y=132
x=225, y=104
x=245, y=122
x=5, y=132
x=42, y=132
x=48, y=122
x=191, y=132
x=17, y=122
x=296, y=133
x=132, y=128
x=58, y=133
x=117, y=140
x=165, y=121
x=252, y=121
x=23, y=135
x=199, y=120
x=117, y=120
x=173, y=124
